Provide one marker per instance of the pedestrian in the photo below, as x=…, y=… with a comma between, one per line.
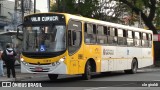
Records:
x=8, y=56
x=1, y=64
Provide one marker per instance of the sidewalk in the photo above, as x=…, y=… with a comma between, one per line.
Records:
x=22, y=76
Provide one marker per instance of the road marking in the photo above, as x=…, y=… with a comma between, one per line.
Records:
x=96, y=88
x=156, y=80
x=109, y=86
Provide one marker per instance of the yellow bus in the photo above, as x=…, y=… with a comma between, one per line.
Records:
x=61, y=43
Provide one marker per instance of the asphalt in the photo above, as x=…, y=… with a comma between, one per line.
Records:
x=23, y=76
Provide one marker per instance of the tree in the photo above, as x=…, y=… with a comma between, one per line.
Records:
x=102, y=9
x=157, y=17
x=86, y=8
x=114, y=11
x=146, y=9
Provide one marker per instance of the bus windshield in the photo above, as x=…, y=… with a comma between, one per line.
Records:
x=44, y=38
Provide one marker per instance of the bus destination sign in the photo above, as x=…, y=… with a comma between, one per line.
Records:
x=43, y=18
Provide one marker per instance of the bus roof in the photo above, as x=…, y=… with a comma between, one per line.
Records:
x=105, y=23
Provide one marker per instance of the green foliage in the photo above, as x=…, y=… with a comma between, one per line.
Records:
x=157, y=17
x=147, y=9
x=91, y=8
x=141, y=4
x=83, y=7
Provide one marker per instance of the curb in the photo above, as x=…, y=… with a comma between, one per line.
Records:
x=149, y=69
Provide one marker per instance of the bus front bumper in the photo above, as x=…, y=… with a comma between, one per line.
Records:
x=58, y=68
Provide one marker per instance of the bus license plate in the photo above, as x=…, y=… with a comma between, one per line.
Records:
x=38, y=69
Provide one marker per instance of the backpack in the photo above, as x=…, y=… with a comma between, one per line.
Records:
x=6, y=55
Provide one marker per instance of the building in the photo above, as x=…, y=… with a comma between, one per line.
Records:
x=6, y=7
x=9, y=19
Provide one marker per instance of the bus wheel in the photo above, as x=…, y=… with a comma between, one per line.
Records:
x=53, y=77
x=134, y=67
x=87, y=73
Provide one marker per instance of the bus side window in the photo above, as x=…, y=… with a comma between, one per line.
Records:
x=130, y=40
x=86, y=34
x=90, y=33
x=137, y=39
x=101, y=37
x=112, y=38
x=125, y=36
x=105, y=30
x=145, y=40
x=122, y=37
x=150, y=40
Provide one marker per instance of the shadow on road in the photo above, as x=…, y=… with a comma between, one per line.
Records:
x=77, y=78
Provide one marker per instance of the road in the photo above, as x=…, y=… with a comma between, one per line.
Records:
x=113, y=81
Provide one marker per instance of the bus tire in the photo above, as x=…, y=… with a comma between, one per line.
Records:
x=134, y=67
x=87, y=73
x=53, y=77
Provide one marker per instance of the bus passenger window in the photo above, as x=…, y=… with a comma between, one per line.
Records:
x=105, y=30
x=150, y=40
x=144, y=40
x=90, y=33
x=108, y=31
x=112, y=38
x=130, y=38
x=101, y=36
x=137, y=39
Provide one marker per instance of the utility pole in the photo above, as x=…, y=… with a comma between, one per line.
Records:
x=34, y=6
x=22, y=9
x=49, y=3
x=15, y=11
x=15, y=16
x=15, y=6
x=57, y=1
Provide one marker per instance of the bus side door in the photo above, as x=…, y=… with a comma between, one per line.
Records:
x=74, y=45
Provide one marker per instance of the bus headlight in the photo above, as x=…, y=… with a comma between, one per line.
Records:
x=62, y=59
x=25, y=63
x=58, y=62
x=22, y=59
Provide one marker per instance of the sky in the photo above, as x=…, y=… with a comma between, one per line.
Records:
x=40, y=5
